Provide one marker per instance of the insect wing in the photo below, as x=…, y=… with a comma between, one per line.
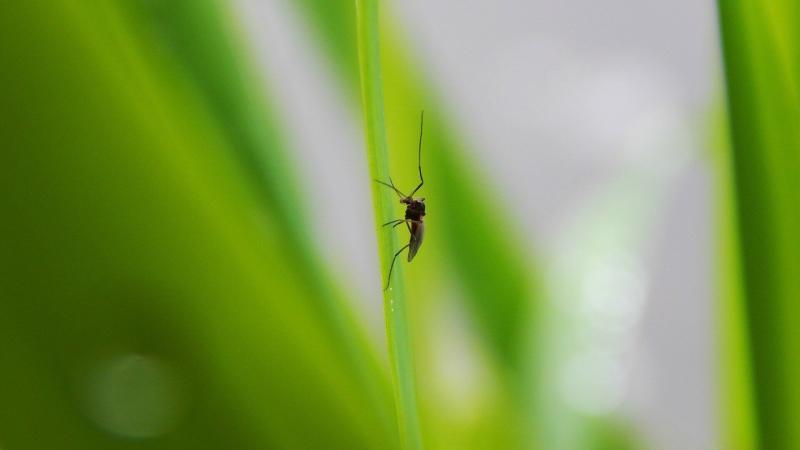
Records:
x=417, y=233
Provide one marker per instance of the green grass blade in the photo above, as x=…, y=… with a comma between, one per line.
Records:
x=762, y=52
x=736, y=385
x=500, y=285
x=468, y=231
x=397, y=328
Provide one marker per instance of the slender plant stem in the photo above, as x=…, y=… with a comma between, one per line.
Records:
x=394, y=303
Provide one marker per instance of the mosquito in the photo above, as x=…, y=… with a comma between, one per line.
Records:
x=415, y=210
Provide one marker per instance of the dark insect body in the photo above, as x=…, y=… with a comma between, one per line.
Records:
x=415, y=211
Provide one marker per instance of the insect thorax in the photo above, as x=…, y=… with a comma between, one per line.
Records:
x=415, y=209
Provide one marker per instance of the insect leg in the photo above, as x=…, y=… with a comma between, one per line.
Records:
x=389, y=277
x=402, y=222
x=396, y=222
x=419, y=153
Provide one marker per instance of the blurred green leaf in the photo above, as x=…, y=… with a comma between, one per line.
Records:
x=131, y=239
x=198, y=37
x=761, y=46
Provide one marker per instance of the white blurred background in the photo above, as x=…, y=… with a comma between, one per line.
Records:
x=591, y=118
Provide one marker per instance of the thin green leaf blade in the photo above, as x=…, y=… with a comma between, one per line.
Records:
x=397, y=329
x=761, y=46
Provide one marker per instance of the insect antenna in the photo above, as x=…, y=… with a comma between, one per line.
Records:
x=419, y=152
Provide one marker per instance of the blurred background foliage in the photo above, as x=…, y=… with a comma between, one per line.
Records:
x=161, y=285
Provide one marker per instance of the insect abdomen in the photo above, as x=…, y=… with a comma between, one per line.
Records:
x=417, y=233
